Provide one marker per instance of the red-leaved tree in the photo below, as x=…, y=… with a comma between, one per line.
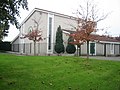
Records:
x=35, y=35
x=87, y=18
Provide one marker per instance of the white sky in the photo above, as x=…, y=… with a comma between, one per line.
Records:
x=70, y=6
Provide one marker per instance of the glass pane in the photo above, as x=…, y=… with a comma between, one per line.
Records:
x=50, y=33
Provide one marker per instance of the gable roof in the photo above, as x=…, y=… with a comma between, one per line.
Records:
x=16, y=38
x=46, y=11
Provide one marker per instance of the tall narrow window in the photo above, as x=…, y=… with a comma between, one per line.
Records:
x=50, y=33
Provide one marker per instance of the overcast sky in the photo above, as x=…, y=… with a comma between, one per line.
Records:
x=112, y=22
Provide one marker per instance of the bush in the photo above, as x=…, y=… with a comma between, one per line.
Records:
x=70, y=47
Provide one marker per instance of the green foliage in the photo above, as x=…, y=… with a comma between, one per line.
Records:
x=3, y=30
x=9, y=11
x=59, y=47
x=5, y=46
x=70, y=47
x=57, y=73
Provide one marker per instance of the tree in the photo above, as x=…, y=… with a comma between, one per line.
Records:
x=3, y=30
x=59, y=47
x=34, y=34
x=70, y=47
x=9, y=11
x=87, y=18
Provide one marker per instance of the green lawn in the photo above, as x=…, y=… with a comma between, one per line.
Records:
x=57, y=73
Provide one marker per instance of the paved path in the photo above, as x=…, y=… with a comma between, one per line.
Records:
x=104, y=58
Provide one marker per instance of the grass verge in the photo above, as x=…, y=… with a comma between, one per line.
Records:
x=57, y=73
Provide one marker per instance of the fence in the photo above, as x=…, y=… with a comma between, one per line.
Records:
x=28, y=48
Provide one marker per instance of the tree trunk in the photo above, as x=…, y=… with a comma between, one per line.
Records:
x=87, y=50
x=34, y=47
x=80, y=50
x=77, y=50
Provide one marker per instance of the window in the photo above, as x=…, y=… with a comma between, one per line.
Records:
x=50, y=33
x=92, y=49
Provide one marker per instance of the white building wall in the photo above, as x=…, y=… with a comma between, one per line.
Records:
x=116, y=49
x=108, y=49
x=65, y=23
x=41, y=18
x=99, y=49
x=84, y=49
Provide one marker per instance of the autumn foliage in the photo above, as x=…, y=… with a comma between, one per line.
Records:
x=87, y=19
x=83, y=32
x=34, y=35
